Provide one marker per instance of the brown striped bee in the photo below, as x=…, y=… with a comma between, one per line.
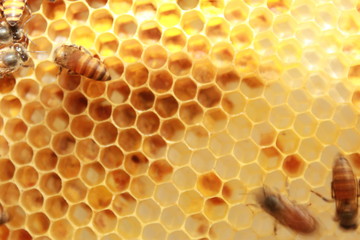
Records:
x=13, y=11
x=289, y=214
x=12, y=58
x=345, y=192
x=79, y=61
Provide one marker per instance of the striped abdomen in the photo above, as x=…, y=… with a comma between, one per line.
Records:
x=344, y=185
x=13, y=10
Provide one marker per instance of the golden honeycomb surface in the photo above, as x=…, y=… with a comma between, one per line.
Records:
x=209, y=100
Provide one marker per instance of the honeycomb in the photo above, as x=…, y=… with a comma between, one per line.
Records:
x=209, y=100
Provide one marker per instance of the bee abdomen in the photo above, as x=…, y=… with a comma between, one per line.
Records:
x=13, y=10
x=91, y=67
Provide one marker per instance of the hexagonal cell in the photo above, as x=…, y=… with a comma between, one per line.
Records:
x=80, y=214
x=115, y=68
x=169, y=15
x=68, y=166
x=38, y=223
x=57, y=120
x=317, y=84
x=322, y=108
x=124, y=116
x=33, y=112
x=124, y=204
x=77, y=13
x=185, y=89
x=284, y=26
x=184, y=178
x=75, y=103
x=111, y=156
x=202, y=161
x=307, y=33
x=191, y=201
x=92, y=174
x=204, y=71
x=348, y=21
x=172, y=129
x=59, y=31
x=265, y=43
x=263, y=134
x=293, y=166
x=149, y=32
x=299, y=100
x=129, y=139
x=74, y=190
x=239, y=127
x=305, y=124
x=345, y=116
x=252, y=175
x=51, y=95
x=4, y=146
x=198, y=46
x=136, y=74
x=217, y=29
x=142, y=99
x=347, y=139
x=209, y=97
x=85, y=232
x=53, y=10
x=100, y=109
x=180, y=63
x=142, y=187
x=172, y=218
x=154, y=146
x=39, y=49
x=21, y=234
x=197, y=225
x=56, y=206
x=118, y=92
x=155, y=56
x=130, y=51
x=111, y=236
x=153, y=231
x=10, y=106
x=15, y=129
x=105, y=133
x=87, y=150
x=236, y=12
x=178, y=154
x=279, y=6
x=192, y=22
x=282, y=117
x=269, y=158
x=125, y=25
x=246, y=151
x=196, y=137
x=101, y=20
x=275, y=93
x=327, y=132
x=21, y=153
x=247, y=61
x=260, y=19
x=241, y=36
x=27, y=89
x=257, y=110
x=136, y=163
x=32, y=200
x=50, y=183
x=316, y=174
x=26, y=176
x=215, y=208
x=105, y=221
x=81, y=126
x=215, y=120
x=117, y=180
x=9, y=193
x=7, y=170
x=174, y=39
x=166, y=194
x=228, y=78
x=191, y=113
x=8, y=84
x=129, y=227
x=287, y=141
x=227, y=167
x=160, y=81
x=221, y=143
x=310, y=149
x=92, y=88
x=289, y=51
x=209, y=184
x=312, y=59
x=148, y=211
x=99, y=197
x=233, y=102
x=252, y=86
x=36, y=25
x=61, y=229
x=160, y=171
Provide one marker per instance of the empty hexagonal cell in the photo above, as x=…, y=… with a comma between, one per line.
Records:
x=185, y=89
x=228, y=78
x=233, y=103
x=117, y=180
x=289, y=51
x=92, y=88
x=241, y=36
x=303, y=10
x=215, y=120
x=172, y=218
x=118, y=92
x=160, y=81
x=348, y=21
x=59, y=31
x=33, y=112
x=221, y=229
x=160, y=171
x=75, y=103
x=61, y=229
x=7, y=169
x=38, y=223
x=124, y=116
x=198, y=46
x=307, y=33
x=184, y=178
x=316, y=174
x=252, y=175
x=57, y=119
x=260, y=19
x=26, y=176
x=101, y=20
x=246, y=151
x=10, y=106
x=40, y=49
x=166, y=194
x=99, y=197
x=36, y=25
x=257, y=110
x=136, y=74
x=287, y=141
x=106, y=44
x=209, y=97
x=149, y=32
x=299, y=100
x=269, y=158
x=105, y=221
x=192, y=22
x=345, y=116
x=100, y=109
x=305, y=124
x=347, y=139
x=74, y=190
x=275, y=93
x=51, y=95
x=56, y=206
x=85, y=232
x=15, y=129
x=32, y=200
x=196, y=137
x=239, y=127
x=310, y=148
x=136, y=163
x=111, y=156
x=284, y=26
x=154, y=146
x=87, y=150
x=317, y=84
x=212, y=7
x=105, y=133
x=263, y=134
x=114, y=66
x=209, y=184
x=281, y=116
x=27, y=89
x=327, y=132
x=152, y=231
x=191, y=201
x=202, y=161
x=191, y=113
x=197, y=225
x=247, y=61
x=130, y=50
x=215, y=208
x=8, y=84
x=148, y=210
x=155, y=56
x=50, y=183
x=69, y=166
x=236, y=11
x=217, y=29
x=221, y=143
x=172, y=129
x=169, y=14
x=125, y=25
x=77, y=13
x=204, y=71
x=222, y=54
x=21, y=153
x=174, y=39
x=124, y=204
x=9, y=193
x=129, y=227
x=142, y=187
x=252, y=86
x=142, y=99
x=81, y=126
x=63, y=143
x=294, y=165
x=83, y=36
x=227, y=167
x=80, y=214
x=93, y=173
x=129, y=139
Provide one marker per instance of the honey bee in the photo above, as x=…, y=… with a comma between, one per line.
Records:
x=12, y=58
x=345, y=193
x=78, y=60
x=13, y=11
x=289, y=214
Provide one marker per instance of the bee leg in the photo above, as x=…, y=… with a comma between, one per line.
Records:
x=322, y=197
x=275, y=228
